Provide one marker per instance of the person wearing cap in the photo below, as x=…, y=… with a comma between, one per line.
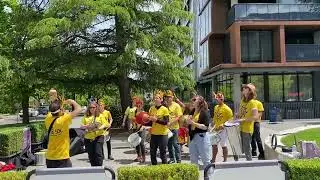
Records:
x=108, y=117
x=175, y=114
x=222, y=114
x=248, y=114
x=59, y=141
x=159, y=115
x=130, y=114
x=94, y=125
x=256, y=139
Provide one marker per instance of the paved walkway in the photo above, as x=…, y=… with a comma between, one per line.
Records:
x=124, y=154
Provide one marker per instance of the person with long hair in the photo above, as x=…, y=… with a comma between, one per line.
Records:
x=94, y=126
x=107, y=115
x=140, y=149
x=222, y=114
x=198, y=126
x=248, y=114
x=59, y=141
x=159, y=115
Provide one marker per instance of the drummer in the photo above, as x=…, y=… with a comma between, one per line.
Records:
x=222, y=113
x=248, y=114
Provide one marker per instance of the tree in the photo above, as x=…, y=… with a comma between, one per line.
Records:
x=129, y=43
x=16, y=20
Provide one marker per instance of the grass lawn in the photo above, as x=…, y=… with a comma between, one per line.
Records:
x=307, y=135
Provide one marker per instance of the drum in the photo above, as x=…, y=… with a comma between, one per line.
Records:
x=134, y=139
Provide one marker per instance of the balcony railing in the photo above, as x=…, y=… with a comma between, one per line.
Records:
x=283, y=12
x=303, y=52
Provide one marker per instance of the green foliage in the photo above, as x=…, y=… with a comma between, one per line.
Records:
x=13, y=175
x=11, y=140
x=306, y=135
x=305, y=169
x=11, y=136
x=160, y=172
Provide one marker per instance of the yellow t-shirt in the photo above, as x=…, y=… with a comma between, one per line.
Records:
x=59, y=140
x=222, y=114
x=259, y=107
x=159, y=129
x=175, y=112
x=246, y=112
x=131, y=114
x=107, y=115
x=89, y=120
x=195, y=118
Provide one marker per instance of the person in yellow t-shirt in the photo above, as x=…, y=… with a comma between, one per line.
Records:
x=159, y=115
x=129, y=115
x=59, y=141
x=256, y=139
x=222, y=114
x=107, y=115
x=248, y=114
x=175, y=112
x=94, y=126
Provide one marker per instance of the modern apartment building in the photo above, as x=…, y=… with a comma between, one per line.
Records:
x=274, y=44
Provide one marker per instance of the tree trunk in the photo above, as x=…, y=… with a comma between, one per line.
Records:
x=124, y=90
x=25, y=107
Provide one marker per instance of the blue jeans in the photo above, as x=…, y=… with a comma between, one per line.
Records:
x=200, y=145
x=174, y=147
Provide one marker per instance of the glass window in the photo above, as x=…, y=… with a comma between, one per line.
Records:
x=275, y=88
x=254, y=46
x=290, y=88
x=305, y=87
x=258, y=81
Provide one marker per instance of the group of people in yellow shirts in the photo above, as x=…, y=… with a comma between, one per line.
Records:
x=96, y=124
x=167, y=114
x=249, y=115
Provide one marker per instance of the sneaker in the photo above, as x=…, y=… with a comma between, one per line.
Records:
x=179, y=161
x=110, y=158
x=254, y=154
x=261, y=157
x=138, y=159
x=171, y=162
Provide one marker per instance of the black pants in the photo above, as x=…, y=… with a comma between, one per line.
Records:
x=141, y=150
x=256, y=140
x=109, y=146
x=95, y=150
x=160, y=141
x=58, y=163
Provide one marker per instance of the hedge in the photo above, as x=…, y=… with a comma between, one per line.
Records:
x=160, y=172
x=13, y=175
x=304, y=169
x=11, y=136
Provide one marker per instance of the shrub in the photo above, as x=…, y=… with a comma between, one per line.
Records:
x=159, y=172
x=11, y=140
x=11, y=136
x=13, y=175
x=304, y=169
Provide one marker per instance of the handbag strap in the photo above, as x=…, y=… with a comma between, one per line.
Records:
x=50, y=127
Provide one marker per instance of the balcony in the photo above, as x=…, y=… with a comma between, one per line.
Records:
x=273, y=12
x=303, y=52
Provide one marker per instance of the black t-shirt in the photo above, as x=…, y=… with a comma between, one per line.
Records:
x=204, y=118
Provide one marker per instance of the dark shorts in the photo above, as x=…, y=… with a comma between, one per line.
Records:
x=58, y=163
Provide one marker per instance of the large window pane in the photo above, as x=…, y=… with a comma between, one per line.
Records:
x=254, y=45
x=258, y=81
x=290, y=88
x=275, y=88
x=305, y=87
x=266, y=45
x=244, y=45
